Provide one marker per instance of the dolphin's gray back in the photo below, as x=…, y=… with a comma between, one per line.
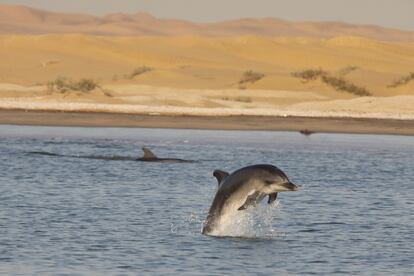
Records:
x=260, y=170
x=245, y=179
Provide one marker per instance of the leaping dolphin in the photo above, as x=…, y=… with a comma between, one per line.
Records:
x=242, y=189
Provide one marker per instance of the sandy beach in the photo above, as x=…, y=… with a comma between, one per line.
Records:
x=314, y=124
x=132, y=105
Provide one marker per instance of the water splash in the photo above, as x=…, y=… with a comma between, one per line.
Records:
x=253, y=223
x=189, y=224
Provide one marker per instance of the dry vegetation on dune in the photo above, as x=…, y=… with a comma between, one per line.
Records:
x=338, y=83
x=63, y=85
x=251, y=76
x=139, y=71
x=66, y=85
x=341, y=84
x=309, y=74
x=346, y=70
x=402, y=81
x=238, y=99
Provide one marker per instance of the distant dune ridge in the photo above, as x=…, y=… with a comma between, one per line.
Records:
x=24, y=20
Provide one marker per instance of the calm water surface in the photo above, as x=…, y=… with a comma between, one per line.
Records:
x=75, y=216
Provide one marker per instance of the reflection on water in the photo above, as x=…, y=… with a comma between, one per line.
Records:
x=65, y=215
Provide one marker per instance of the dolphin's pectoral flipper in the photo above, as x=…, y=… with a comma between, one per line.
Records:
x=252, y=200
x=272, y=198
x=220, y=175
x=148, y=154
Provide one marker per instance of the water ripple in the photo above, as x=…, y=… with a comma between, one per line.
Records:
x=73, y=216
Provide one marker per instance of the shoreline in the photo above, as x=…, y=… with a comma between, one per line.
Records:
x=232, y=122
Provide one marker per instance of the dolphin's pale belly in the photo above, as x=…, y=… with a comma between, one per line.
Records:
x=230, y=216
x=237, y=200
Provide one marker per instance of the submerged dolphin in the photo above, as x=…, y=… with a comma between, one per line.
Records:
x=148, y=157
x=244, y=188
x=151, y=157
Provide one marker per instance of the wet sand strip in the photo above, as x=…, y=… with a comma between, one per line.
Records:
x=313, y=124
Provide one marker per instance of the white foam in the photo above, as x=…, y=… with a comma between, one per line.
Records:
x=255, y=222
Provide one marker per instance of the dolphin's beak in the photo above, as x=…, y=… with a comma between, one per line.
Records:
x=291, y=187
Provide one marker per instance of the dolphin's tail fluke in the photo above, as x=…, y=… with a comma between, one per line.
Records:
x=148, y=154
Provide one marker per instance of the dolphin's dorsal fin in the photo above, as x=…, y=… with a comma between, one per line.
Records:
x=220, y=175
x=272, y=198
x=148, y=154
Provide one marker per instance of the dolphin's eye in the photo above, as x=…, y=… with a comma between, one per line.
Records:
x=269, y=182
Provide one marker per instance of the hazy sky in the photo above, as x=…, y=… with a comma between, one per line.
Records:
x=390, y=13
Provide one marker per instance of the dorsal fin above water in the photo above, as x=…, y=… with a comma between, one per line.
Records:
x=220, y=175
x=148, y=154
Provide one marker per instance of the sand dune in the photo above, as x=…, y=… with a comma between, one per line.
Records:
x=209, y=63
x=24, y=20
x=147, y=65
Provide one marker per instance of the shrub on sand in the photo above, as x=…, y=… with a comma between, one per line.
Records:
x=309, y=74
x=343, y=85
x=84, y=85
x=63, y=85
x=338, y=83
x=251, y=77
x=139, y=71
x=346, y=70
x=238, y=99
x=402, y=81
